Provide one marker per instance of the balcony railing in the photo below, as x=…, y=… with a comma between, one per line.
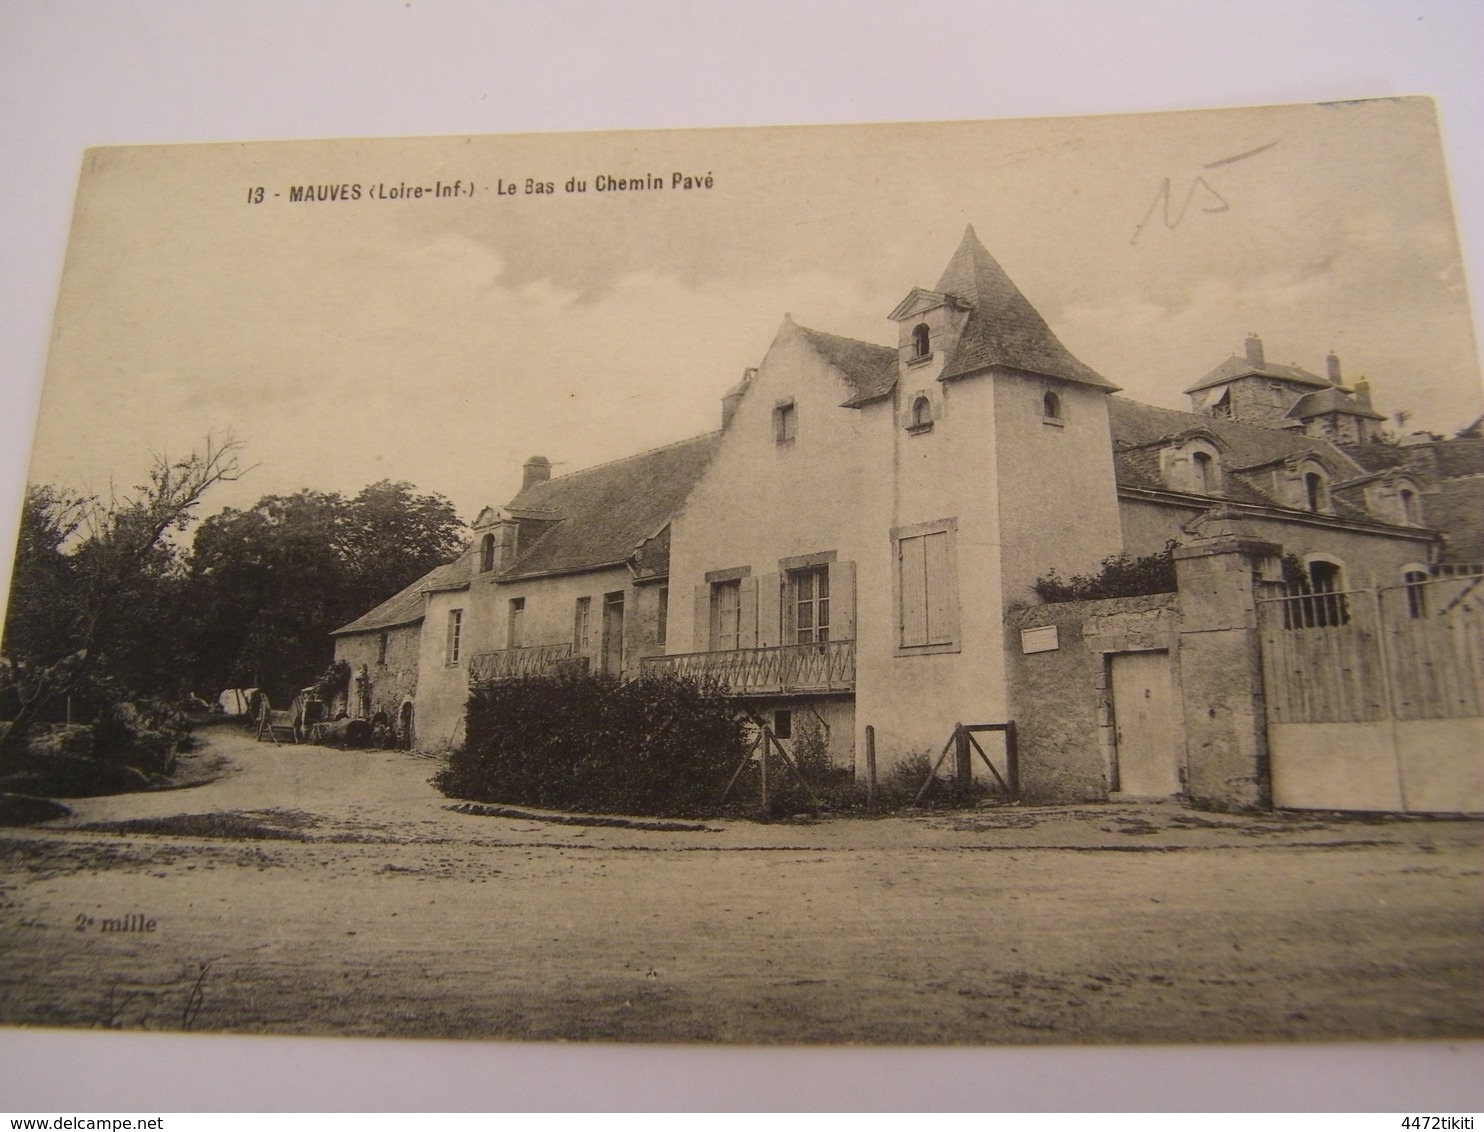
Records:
x=785, y=669
x=531, y=660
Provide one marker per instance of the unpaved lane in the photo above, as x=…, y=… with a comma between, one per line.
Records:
x=388, y=914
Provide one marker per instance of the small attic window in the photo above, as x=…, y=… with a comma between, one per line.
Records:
x=1205, y=472
x=921, y=418
x=1051, y=408
x=1407, y=498
x=785, y=422
x=922, y=347
x=486, y=554
x=1316, y=493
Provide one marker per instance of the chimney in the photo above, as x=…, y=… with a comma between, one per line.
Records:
x=537, y=470
x=733, y=396
x=1363, y=394
x=1332, y=367
x=1254, y=349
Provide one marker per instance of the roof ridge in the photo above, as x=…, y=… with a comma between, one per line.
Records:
x=616, y=460
x=844, y=338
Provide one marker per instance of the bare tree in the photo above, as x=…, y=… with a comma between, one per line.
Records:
x=119, y=540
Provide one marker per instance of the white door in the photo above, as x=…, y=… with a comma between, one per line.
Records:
x=1148, y=730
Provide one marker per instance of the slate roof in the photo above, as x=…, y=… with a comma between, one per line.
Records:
x=1330, y=400
x=1248, y=445
x=1377, y=457
x=871, y=370
x=1463, y=456
x=608, y=510
x=1235, y=367
x=406, y=606
x=1445, y=459
x=1139, y=431
x=1455, y=509
x=1003, y=329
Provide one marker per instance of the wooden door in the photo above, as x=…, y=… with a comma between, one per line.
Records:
x=1148, y=730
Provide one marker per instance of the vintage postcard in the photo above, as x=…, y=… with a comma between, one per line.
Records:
x=974, y=582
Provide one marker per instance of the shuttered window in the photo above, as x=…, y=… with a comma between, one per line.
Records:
x=927, y=598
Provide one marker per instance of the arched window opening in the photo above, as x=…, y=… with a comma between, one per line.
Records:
x=1314, y=492
x=922, y=415
x=1414, y=586
x=1328, y=605
x=1205, y=472
x=1051, y=406
x=921, y=341
x=487, y=554
x=1408, y=500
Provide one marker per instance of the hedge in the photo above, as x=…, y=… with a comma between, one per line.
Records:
x=655, y=746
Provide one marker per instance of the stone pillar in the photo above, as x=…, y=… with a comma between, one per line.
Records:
x=1221, y=665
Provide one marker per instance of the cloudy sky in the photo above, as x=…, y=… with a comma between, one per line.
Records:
x=443, y=341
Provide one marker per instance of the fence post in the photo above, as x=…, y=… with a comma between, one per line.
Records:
x=1012, y=761
x=762, y=765
x=963, y=769
x=870, y=765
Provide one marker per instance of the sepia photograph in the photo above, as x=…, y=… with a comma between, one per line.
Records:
x=992, y=583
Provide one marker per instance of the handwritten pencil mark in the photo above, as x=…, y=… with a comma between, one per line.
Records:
x=1162, y=201
x=1212, y=201
x=1240, y=156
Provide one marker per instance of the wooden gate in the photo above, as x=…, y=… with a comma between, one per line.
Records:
x=1375, y=698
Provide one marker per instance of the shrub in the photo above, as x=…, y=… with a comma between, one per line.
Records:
x=1121, y=576
x=834, y=786
x=658, y=745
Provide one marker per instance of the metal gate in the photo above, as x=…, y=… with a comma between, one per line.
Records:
x=1375, y=698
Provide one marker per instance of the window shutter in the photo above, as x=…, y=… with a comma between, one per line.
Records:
x=842, y=601
x=769, y=611
x=701, y=628
x=937, y=572
x=747, y=628
x=912, y=591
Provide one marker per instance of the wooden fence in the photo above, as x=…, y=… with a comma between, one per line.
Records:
x=1411, y=651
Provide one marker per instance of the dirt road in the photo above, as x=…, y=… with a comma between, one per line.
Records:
x=314, y=891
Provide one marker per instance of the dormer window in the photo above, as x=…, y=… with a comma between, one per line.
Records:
x=486, y=554
x=1316, y=492
x=1051, y=408
x=922, y=348
x=1205, y=472
x=921, y=417
x=1407, y=499
x=785, y=422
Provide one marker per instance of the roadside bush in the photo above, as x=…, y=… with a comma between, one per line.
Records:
x=131, y=747
x=833, y=785
x=655, y=746
x=900, y=784
x=1121, y=576
x=144, y=736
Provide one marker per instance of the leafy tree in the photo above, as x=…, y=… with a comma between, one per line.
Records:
x=94, y=581
x=271, y=583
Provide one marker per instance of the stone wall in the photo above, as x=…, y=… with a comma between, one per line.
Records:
x=1060, y=698
x=389, y=672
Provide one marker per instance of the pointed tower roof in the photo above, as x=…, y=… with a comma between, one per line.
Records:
x=1003, y=329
